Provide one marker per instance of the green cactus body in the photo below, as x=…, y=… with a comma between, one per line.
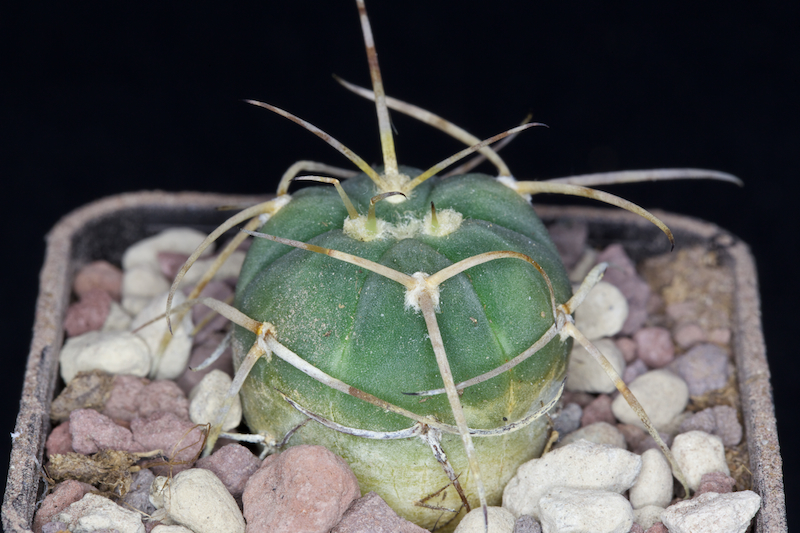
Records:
x=353, y=324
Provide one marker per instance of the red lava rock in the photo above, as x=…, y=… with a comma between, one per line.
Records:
x=622, y=274
x=570, y=241
x=60, y=440
x=200, y=353
x=306, y=488
x=598, y=411
x=88, y=314
x=65, y=493
x=92, y=432
x=371, y=514
x=634, y=370
x=654, y=346
x=122, y=403
x=627, y=346
x=721, y=336
x=636, y=528
x=720, y=420
x=162, y=395
x=99, y=275
x=704, y=368
x=233, y=464
x=215, y=289
x=658, y=527
x=179, y=440
x=688, y=334
x=680, y=312
x=170, y=263
x=715, y=482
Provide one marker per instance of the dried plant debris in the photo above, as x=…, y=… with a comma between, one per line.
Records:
x=108, y=470
x=88, y=390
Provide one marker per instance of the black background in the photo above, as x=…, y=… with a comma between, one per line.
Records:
x=99, y=98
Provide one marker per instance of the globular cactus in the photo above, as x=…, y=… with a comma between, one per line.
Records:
x=418, y=326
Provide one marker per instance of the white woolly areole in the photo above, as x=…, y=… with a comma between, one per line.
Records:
x=448, y=220
x=356, y=228
x=511, y=183
x=413, y=294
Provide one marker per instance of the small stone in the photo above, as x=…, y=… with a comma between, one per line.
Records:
x=92, y=432
x=720, y=420
x=627, y=347
x=654, y=485
x=139, y=286
x=180, y=440
x=306, y=488
x=93, y=512
x=60, y=440
x=636, y=528
x=197, y=500
x=55, y=527
x=170, y=263
x=89, y=313
x=527, y=524
x=698, y=453
x=112, y=352
x=201, y=350
x=658, y=527
x=721, y=336
x=581, y=465
x=207, y=399
x=712, y=513
x=704, y=368
x=161, y=528
x=663, y=396
x=233, y=464
x=602, y=313
x=654, y=346
x=162, y=395
x=217, y=290
x=65, y=494
x=596, y=511
x=370, y=514
x=648, y=515
x=581, y=398
x=715, y=482
x=622, y=274
x=87, y=390
x=570, y=241
x=599, y=410
x=688, y=334
x=569, y=419
x=634, y=370
x=175, y=240
x=98, y=275
x=118, y=319
x=500, y=521
x=228, y=270
x=173, y=361
x=122, y=402
x=599, y=433
x=585, y=373
x=138, y=497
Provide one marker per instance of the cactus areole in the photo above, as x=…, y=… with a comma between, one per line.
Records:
x=356, y=325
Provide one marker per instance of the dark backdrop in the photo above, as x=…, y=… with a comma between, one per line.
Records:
x=99, y=98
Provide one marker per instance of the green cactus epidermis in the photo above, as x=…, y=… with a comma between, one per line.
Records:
x=352, y=323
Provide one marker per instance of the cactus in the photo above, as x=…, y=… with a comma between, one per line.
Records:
x=419, y=326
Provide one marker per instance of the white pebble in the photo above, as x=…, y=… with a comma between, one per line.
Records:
x=229, y=269
x=712, y=513
x=178, y=240
x=139, y=286
x=663, y=396
x=173, y=361
x=500, y=521
x=599, y=433
x=698, y=453
x=93, y=512
x=565, y=510
x=206, y=399
x=603, y=312
x=113, y=352
x=654, y=485
x=648, y=515
x=582, y=465
x=198, y=500
x=118, y=319
x=585, y=373
x=161, y=528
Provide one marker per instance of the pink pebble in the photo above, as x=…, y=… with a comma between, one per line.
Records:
x=201, y=352
x=622, y=274
x=60, y=440
x=92, y=432
x=688, y=334
x=599, y=410
x=233, y=464
x=179, y=440
x=170, y=263
x=220, y=291
x=654, y=346
x=715, y=482
x=88, y=314
x=658, y=527
x=371, y=514
x=122, y=403
x=162, y=395
x=627, y=346
x=634, y=370
x=636, y=528
x=721, y=336
x=66, y=493
x=99, y=275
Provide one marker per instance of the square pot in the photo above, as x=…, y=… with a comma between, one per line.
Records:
x=104, y=229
